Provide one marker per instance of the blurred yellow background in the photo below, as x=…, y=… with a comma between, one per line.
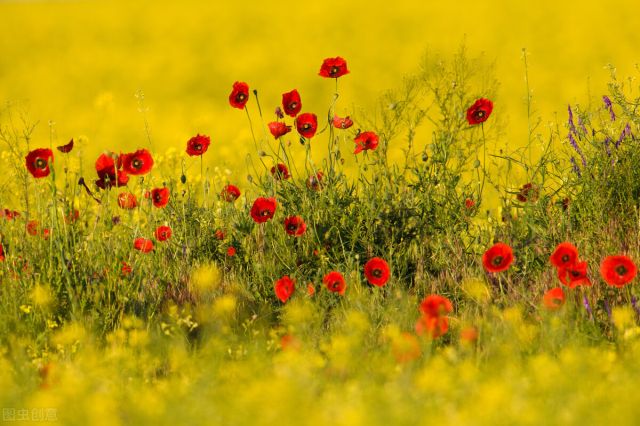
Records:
x=79, y=64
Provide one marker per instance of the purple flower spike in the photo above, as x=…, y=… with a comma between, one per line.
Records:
x=609, y=106
x=585, y=302
x=607, y=308
x=575, y=146
x=634, y=303
x=576, y=169
x=572, y=127
x=582, y=126
x=626, y=132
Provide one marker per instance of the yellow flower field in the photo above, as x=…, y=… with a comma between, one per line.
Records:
x=80, y=64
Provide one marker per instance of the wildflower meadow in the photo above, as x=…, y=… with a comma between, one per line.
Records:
x=399, y=263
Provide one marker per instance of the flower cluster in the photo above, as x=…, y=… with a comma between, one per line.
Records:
x=434, y=321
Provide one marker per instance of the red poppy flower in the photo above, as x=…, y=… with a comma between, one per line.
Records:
x=434, y=327
x=66, y=148
x=307, y=124
x=160, y=196
x=469, y=335
x=38, y=162
x=219, y=235
x=280, y=171
x=528, y=193
x=565, y=255
x=9, y=214
x=137, y=163
x=291, y=103
x=198, y=145
x=479, y=111
x=231, y=251
x=554, y=299
x=311, y=289
x=618, y=271
x=294, y=225
x=1, y=253
x=163, y=233
x=263, y=209
x=239, y=95
x=342, y=123
x=290, y=343
x=106, y=169
x=469, y=203
x=107, y=182
x=574, y=275
x=377, y=271
x=72, y=216
x=498, y=258
x=315, y=181
x=334, y=281
x=435, y=305
x=127, y=201
x=126, y=269
x=105, y=165
x=142, y=244
x=278, y=129
x=33, y=227
x=333, y=67
x=230, y=193
x=366, y=141
x=284, y=288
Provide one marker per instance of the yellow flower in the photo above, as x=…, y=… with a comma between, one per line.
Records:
x=41, y=295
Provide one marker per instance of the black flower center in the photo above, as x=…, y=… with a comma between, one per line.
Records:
x=478, y=113
x=334, y=70
x=265, y=213
x=497, y=261
x=293, y=105
x=241, y=97
x=621, y=270
x=376, y=273
x=575, y=274
x=292, y=227
x=157, y=197
x=136, y=163
x=565, y=258
x=197, y=147
x=306, y=126
x=40, y=163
